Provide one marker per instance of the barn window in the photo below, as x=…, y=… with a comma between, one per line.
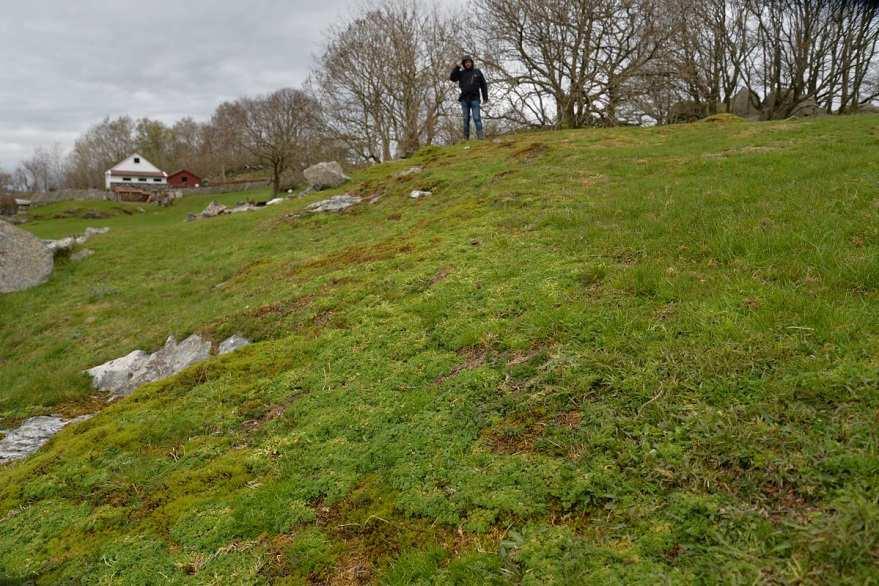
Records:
x=184, y=179
x=126, y=179
x=143, y=179
x=157, y=180
x=137, y=160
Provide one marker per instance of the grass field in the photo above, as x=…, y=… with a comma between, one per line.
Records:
x=640, y=356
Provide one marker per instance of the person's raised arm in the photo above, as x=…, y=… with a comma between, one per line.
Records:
x=456, y=73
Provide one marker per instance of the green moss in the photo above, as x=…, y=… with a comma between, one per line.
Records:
x=597, y=356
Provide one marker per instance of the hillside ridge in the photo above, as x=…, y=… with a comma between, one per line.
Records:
x=594, y=356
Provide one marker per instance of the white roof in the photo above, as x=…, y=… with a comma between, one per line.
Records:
x=130, y=167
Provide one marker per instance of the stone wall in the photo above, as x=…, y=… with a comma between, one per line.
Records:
x=64, y=195
x=229, y=187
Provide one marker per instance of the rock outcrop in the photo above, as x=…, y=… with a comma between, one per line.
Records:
x=325, y=175
x=122, y=376
x=232, y=344
x=417, y=194
x=409, y=172
x=337, y=203
x=66, y=245
x=25, y=261
x=31, y=435
x=746, y=103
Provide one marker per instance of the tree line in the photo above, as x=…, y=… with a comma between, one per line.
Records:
x=380, y=88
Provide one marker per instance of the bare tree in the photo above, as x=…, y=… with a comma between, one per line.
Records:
x=6, y=182
x=101, y=147
x=279, y=129
x=384, y=77
x=43, y=171
x=569, y=63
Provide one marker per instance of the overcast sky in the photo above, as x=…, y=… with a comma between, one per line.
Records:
x=66, y=64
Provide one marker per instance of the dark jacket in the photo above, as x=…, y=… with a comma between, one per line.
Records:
x=471, y=82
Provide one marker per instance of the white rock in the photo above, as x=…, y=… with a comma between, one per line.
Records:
x=31, y=435
x=419, y=194
x=81, y=254
x=25, y=261
x=123, y=375
x=409, y=172
x=336, y=203
x=233, y=343
x=89, y=232
x=213, y=209
x=245, y=207
x=61, y=245
x=275, y=201
x=115, y=375
x=325, y=175
x=170, y=359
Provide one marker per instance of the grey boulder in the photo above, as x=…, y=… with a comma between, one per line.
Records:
x=337, y=203
x=25, y=261
x=233, y=343
x=213, y=209
x=81, y=255
x=31, y=435
x=409, y=172
x=123, y=375
x=115, y=375
x=325, y=175
x=62, y=245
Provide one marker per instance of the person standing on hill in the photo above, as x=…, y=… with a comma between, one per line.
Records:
x=472, y=83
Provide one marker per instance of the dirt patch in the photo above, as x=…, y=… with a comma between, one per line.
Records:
x=323, y=318
x=91, y=214
x=530, y=152
x=473, y=357
x=571, y=419
x=514, y=436
x=784, y=502
x=282, y=308
x=270, y=415
x=360, y=255
x=441, y=275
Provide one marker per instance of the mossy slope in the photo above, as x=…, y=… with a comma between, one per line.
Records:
x=600, y=356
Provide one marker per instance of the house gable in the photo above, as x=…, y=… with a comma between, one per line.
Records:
x=136, y=165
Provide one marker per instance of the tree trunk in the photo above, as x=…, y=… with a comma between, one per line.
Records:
x=276, y=178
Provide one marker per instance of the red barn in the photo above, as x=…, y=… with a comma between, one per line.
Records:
x=183, y=179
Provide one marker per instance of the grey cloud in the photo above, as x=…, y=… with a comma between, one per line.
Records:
x=67, y=65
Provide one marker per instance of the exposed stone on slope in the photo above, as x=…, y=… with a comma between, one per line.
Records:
x=337, y=203
x=65, y=245
x=116, y=374
x=213, y=209
x=25, y=261
x=81, y=255
x=409, y=172
x=123, y=375
x=417, y=194
x=232, y=344
x=31, y=435
x=325, y=175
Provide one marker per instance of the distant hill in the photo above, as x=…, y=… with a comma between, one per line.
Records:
x=599, y=356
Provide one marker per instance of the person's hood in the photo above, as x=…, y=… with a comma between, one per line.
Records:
x=467, y=58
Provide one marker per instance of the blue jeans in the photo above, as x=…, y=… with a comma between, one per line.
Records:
x=471, y=108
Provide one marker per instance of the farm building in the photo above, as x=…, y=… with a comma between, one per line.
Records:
x=184, y=178
x=135, y=171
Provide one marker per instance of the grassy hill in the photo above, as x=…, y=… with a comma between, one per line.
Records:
x=599, y=356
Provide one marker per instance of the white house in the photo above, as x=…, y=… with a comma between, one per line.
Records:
x=135, y=170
